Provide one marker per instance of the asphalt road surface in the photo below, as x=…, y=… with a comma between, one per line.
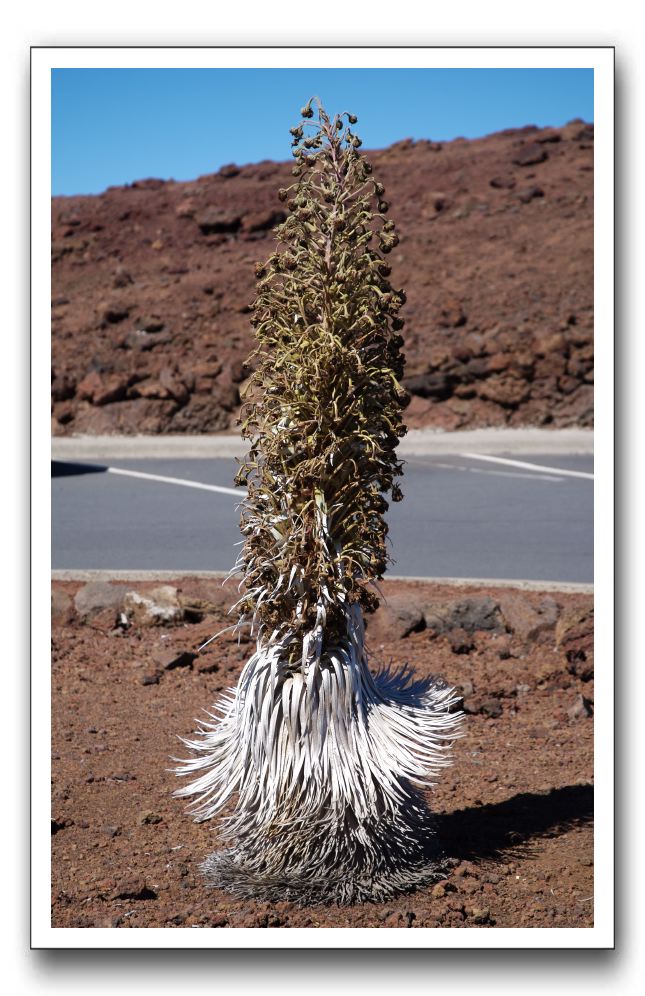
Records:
x=462, y=517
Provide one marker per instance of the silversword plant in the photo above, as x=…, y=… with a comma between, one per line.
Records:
x=315, y=763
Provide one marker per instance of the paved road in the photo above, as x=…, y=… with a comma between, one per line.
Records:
x=461, y=518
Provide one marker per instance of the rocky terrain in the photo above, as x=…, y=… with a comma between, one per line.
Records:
x=151, y=285
x=513, y=812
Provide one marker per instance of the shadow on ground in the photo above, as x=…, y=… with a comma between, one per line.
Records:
x=499, y=829
x=61, y=468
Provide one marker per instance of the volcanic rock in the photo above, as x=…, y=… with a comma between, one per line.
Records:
x=96, y=596
x=396, y=615
x=530, y=155
x=212, y=220
x=158, y=607
x=526, y=621
x=466, y=614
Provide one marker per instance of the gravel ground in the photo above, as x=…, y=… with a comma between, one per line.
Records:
x=514, y=811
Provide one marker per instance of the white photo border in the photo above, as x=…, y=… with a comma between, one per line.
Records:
x=601, y=60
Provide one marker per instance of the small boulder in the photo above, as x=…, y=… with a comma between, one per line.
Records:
x=529, y=194
x=159, y=607
x=186, y=208
x=90, y=383
x=434, y=384
x=114, y=312
x=213, y=220
x=148, y=818
x=113, y=388
x=507, y=391
x=452, y=314
x=530, y=154
x=552, y=343
x=395, y=619
x=506, y=182
x=574, y=631
x=549, y=135
x=172, y=658
x=174, y=386
x=468, y=614
x=492, y=708
x=97, y=596
x=151, y=323
x=263, y=221
x=62, y=607
x=529, y=623
x=121, y=277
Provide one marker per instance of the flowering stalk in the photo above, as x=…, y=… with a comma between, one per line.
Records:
x=320, y=761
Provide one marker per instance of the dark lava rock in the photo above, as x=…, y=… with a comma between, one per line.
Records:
x=530, y=155
x=151, y=678
x=62, y=824
x=468, y=614
x=435, y=385
x=114, y=312
x=151, y=323
x=529, y=194
x=506, y=182
x=394, y=619
x=229, y=170
x=213, y=220
x=491, y=708
x=262, y=221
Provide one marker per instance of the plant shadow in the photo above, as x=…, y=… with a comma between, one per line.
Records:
x=504, y=829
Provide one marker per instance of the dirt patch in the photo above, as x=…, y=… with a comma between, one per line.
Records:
x=514, y=811
x=151, y=285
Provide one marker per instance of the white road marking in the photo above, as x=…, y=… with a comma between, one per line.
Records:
x=539, y=468
x=476, y=470
x=238, y=492
x=526, y=477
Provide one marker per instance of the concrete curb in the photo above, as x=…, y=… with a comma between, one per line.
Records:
x=519, y=584
x=418, y=442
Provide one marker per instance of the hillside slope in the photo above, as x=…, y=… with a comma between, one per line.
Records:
x=151, y=285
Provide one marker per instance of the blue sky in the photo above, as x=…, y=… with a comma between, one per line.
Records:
x=113, y=126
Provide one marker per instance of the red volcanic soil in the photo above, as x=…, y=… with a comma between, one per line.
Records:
x=151, y=285
x=514, y=810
